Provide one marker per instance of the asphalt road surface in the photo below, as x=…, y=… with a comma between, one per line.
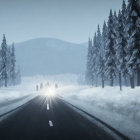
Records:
x=46, y=118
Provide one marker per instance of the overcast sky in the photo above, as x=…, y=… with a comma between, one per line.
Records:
x=69, y=20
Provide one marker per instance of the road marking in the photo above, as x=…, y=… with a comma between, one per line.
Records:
x=50, y=123
x=48, y=107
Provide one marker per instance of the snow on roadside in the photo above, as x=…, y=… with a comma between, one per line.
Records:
x=116, y=108
x=7, y=95
x=26, y=88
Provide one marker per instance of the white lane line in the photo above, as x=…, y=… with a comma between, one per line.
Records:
x=50, y=123
x=48, y=107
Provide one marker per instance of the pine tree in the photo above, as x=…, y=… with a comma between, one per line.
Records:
x=89, y=63
x=99, y=57
x=104, y=36
x=124, y=12
x=4, y=62
x=13, y=61
x=95, y=61
x=121, y=53
x=115, y=21
x=8, y=65
x=110, y=51
x=133, y=44
x=125, y=38
x=138, y=40
x=102, y=54
x=1, y=80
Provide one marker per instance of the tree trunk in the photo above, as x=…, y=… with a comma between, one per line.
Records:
x=5, y=78
x=111, y=81
x=132, y=81
x=138, y=76
x=102, y=80
x=125, y=80
x=6, y=82
x=96, y=81
x=120, y=81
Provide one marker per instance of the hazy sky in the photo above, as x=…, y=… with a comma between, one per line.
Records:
x=70, y=20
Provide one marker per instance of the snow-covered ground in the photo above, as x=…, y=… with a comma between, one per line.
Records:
x=120, y=109
x=15, y=96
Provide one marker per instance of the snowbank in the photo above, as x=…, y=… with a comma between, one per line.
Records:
x=14, y=96
x=119, y=109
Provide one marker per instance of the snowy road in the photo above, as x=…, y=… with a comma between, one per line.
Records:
x=47, y=118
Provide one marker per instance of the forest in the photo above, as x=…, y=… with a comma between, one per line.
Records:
x=114, y=53
x=9, y=74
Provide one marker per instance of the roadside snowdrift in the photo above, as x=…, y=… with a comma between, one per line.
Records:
x=119, y=109
x=13, y=97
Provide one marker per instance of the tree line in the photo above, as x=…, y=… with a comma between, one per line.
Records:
x=9, y=75
x=114, y=53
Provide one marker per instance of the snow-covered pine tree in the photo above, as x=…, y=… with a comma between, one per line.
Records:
x=110, y=57
x=125, y=38
x=133, y=44
x=12, y=68
x=95, y=61
x=4, y=75
x=138, y=41
x=120, y=50
x=115, y=23
x=89, y=63
x=102, y=54
x=8, y=65
x=1, y=80
x=99, y=57
x=104, y=35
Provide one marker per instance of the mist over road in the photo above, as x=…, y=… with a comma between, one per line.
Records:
x=46, y=118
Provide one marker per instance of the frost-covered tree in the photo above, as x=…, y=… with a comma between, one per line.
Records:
x=138, y=40
x=115, y=21
x=1, y=83
x=133, y=44
x=12, y=68
x=110, y=65
x=99, y=39
x=101, y=67
x=121, y=50
x=124, y=12
x=117, y=50
x=8, y=65
x=89, y=63
x=125, y=38
x=100, y=57
x=4, y=75
x=102, y=54
x=104, y=35
x=8, y=74
x=95, y=61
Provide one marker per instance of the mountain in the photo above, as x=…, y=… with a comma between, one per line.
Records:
x=50, y=56
x=84, y=44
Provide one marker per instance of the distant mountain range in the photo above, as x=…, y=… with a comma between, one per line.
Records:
x=50, y=56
